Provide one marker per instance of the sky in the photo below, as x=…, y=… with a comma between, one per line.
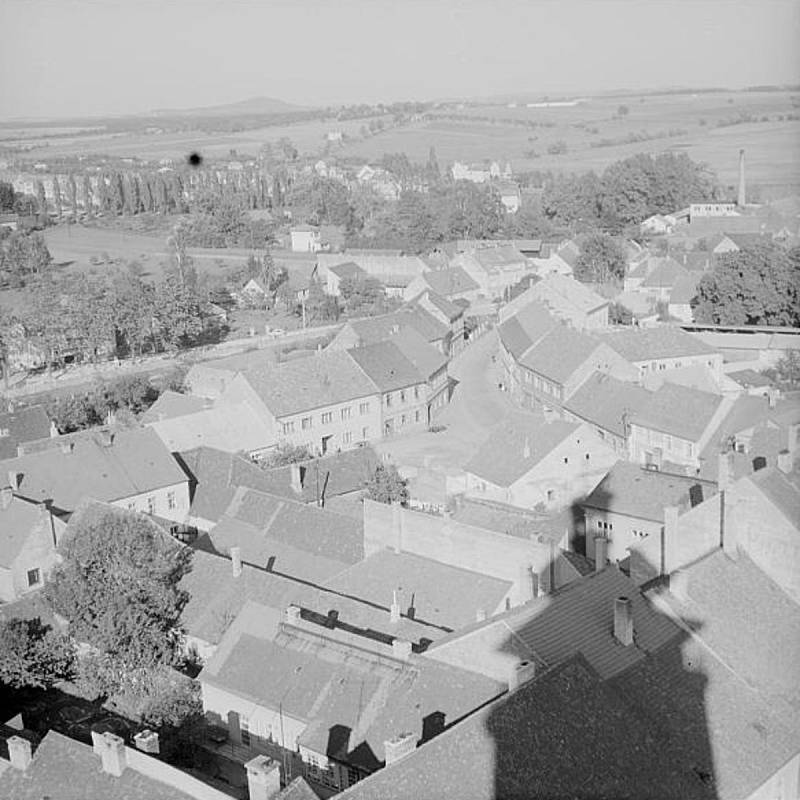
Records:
x=75, y=58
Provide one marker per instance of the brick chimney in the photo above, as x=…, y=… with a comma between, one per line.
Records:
x=401, y=649
x=236, y=561
x=147, y=742
x=112, y=753
x=19, y=752
x=520, y=674
x=263, y=778
x=785, y=461
x=623, y=621
x=600, y=553
x=399, y=746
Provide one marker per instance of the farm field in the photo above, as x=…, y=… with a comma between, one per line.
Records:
x=773, y=147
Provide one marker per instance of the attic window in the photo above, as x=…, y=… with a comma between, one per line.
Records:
x=566, y=460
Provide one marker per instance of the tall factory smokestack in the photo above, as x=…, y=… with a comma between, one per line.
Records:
x=741, y=199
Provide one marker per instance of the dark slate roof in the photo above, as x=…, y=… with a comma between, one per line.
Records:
x=667, y=273
x=216, y=475
x=349, y=269
x=664, y=341
x=514, y=337
x=172, y=404
x=684, y=290
x=450, y=310
x=438, y=593
x=134, y=463
x=630, y=490
x=315, y=530
x=335, y=474
x=678, y=410
x=325, y=378
x=782, y=490
x=376, y=329
x=560, y=736
x=749, y=377
x=494, y=259
x=515, y=446
x=67, y=769
x=425, y=357
x=21, y=425
x=448, y=282
x=386, y=366
x=603, y=400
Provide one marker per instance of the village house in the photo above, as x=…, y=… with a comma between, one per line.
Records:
x=394, y=271
x=531, y=463
x=658, y=224
x=324, y=402
x=452, y=283
x=379, y=179
x=348, y=701
x=348, y=271
x=313, y=239
x=607, y=404
x=130, y=469
x=509, y=195
x=20, y=425
x=672, y=428
x=29, y=535
x=681, y=297
x=566, y=299
x=448, y=313
x=494, y=269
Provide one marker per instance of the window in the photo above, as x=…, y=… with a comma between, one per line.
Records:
x=587, y=456
x=566, y=460
x=327, y=417
x=244, y=729
x=416, y=392
x=151, y=505
x=365, y=434
x=346, y=412
x=288, y=427
x=131, y=506
x=353, y=776
x=34, y=577
x=550, y=495
x=363, y=408
x=170, y=500
x=403, y=419
x=402, y=395
x=347, y=437
x=388, y=399
x=305, y=423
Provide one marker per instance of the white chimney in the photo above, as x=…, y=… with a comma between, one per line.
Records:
x=600, y=553
x=679, y=585
x=670, y=557
x=112, y=754
x=480, y=615
x=401, y=649
x=785, y=461
x=236, y=561
x=6, y=497
x=147, y=742
x=394, y=613
x=292, y=616
x=53, y=430
x=296, y=478
x=397, y=525
x=623, y=621
x=528, y=583
x=520, y=674
x=13, y=479
x=724, y=471
x=263, y=778
x=526, y=449
x=19, y=752
x=399, y=746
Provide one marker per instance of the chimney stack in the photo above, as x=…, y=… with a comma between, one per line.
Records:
x=263, y=778
x=679, y=585
x=600, y=553
x=528, y=583
x=785, y=461
x=112, y=753
x=526, y=449
x=19, y=752
x=397, y=525
x=13, y=479
x=623, y=621
x=742, y=197
x=236, y=561
x=394, y=612
x=147, y=742
x=399, y=746
x=401, y=649
x=67, y=447
x=6, y=497
x=669, y=542
x=520, y=674
x=53, y=430
x=292, y=616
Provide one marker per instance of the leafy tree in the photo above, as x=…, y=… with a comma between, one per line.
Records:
x=41, y=198
x=57, y=196
x=365, y=295
x=132, y=392
x=622, y=111
x=178, y=312
x=23, y=256
x=787, y=371
x=466, y=210
x=74, y=413
x=7, y=196
x=118, y=587
x=87, y=196
x=33, y=654
x=320, y=307
x=72, y=191
x=757, y=285
x=602, y=259
x=285, y=454
x=386, y=485
x=134, y=306
x=433, y=172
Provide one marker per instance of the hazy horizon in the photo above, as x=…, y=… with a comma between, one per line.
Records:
x=81, y=58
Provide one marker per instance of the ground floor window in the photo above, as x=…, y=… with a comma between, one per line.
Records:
x=34, y=577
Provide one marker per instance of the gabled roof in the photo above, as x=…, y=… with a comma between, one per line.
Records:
x=559, y=354
x=563, y=293
x=496, y=259
x=678, y=410
x=630, y=490
x=326, y=378
x=425, y=357
x=666, y=272
x=172, y=404
x=22, y=425
x=17, y=522
x=136, y=462
x=513, y=520
x=516, y=446
x=448, y=282
x=70, y=770
x=663, y=341
x=450, y=310
x=436, y=592
x=684, y=290
x=782, y=490
x=348, y=269
x=604, y=400
x=375, y=329
x=386, y=366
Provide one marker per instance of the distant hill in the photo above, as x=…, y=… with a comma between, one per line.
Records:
x=254, y=105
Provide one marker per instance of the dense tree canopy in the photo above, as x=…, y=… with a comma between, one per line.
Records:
x=386, y=485
x=759, y=285
x=118, y=587
x=33, y=654
x=602, y=259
